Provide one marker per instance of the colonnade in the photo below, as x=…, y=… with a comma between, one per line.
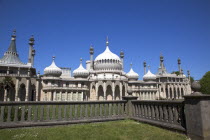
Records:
x=54, y=95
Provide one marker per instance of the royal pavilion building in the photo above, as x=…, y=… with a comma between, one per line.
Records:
x=103, y=78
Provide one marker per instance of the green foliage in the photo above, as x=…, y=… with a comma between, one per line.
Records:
x=205, y=83
x=7, y=82
x=191, y=79
x=176, y=72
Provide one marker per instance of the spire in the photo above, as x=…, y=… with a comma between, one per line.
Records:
x=179, y=65
x=131, y=65
x=31, y=40
x=80, y=60
x=107, y=41
x=145, y=67
x=12, y=46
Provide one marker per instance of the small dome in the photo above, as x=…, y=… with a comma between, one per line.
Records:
x=81, y=71
x=132, y=75
x=53, y=70
x=149, y=76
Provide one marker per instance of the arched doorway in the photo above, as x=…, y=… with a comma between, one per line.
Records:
x=117, y=93
x=22, y=92
x=100, y=93
x=109, y=93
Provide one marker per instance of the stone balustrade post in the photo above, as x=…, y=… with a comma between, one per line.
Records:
x=197, y=114
x=129, y=107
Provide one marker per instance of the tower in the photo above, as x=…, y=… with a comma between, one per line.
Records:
x=91, y=57
x=31, y=51
x=179, y=65
x=145, y=67
x=122, y=59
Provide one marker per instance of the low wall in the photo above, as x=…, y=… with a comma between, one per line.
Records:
x=169, y=114
x=21, y=114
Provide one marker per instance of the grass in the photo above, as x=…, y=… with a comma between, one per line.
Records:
x=117, y=130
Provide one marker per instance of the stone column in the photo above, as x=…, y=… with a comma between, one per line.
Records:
x=66, y=96
x=82, y=94
x=5, y=95
x=60, y=96
x=17, y=89
x=120, y=91
x=76, y=96
x=97, y=91
x=27, y=89
x=104, y=89
x=54, y=96
x=37, y=89
x=113, y=90
x=71, y=96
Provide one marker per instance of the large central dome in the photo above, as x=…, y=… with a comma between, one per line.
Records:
x=107, y=60
x=107, y=54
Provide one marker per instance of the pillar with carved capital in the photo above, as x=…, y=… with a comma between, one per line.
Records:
x=17, y=89
x=5, y=94
x=113, y=90
x=104, y=89
x=27, y=89
x=120, y=91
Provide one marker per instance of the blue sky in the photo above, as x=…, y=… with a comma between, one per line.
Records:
x=141, y=28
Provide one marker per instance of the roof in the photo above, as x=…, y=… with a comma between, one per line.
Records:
x=11, y=56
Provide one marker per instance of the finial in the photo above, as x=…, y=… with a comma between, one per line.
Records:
x=53, y=58
x=91, y=49
x=188, y=72
x=14, y=34
x=121, y=54
x=161, y=57
x=131, y=65
x=107, y=41
x=31, y=40
x=179, y=60
x=148, y=67
x=144, y=63
x=80, y=60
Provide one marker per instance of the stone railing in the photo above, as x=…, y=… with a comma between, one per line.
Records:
x=190, y=115
x=168, y=114
x=20, y=114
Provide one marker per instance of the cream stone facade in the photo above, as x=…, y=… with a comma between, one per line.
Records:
x=102, y=79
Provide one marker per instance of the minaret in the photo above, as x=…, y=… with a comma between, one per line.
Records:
x=188, y=74
x=145, y=67
x=161, y=63
x=179, y=66
x=31, y=51
x=122, y=59
x=91, y=56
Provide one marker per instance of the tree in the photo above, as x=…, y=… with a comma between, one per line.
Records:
x=176, y=72
x=205, y=83
x=8, y=83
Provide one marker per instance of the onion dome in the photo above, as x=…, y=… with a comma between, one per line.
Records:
x=132, y=75
x=108, y=60
x=81, y=71
x=149, y=76
x=53, y=70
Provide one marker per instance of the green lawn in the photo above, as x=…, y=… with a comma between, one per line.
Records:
x=117, y=130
